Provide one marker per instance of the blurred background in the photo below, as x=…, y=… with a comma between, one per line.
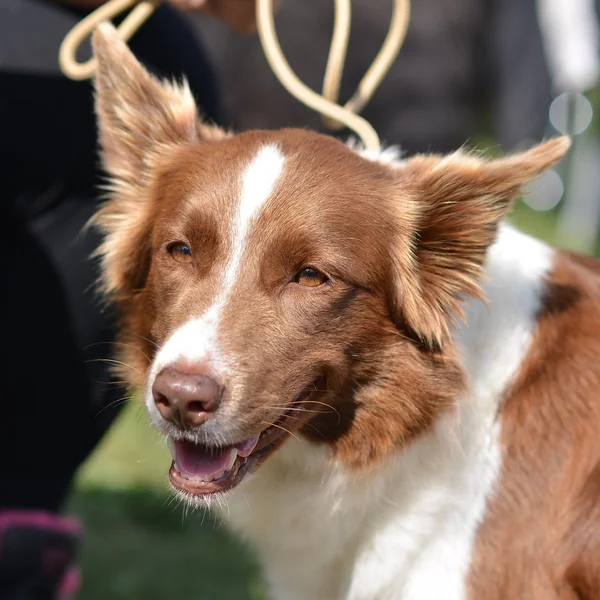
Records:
x=497, y=75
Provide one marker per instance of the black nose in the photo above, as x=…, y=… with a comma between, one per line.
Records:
x=186, y=399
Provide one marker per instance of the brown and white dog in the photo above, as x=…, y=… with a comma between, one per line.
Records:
x=396, y=395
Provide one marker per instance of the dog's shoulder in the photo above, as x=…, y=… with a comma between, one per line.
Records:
x=548, y=495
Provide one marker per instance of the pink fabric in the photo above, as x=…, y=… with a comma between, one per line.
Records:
x=70, y=584
x=37, y=519
x=40, y=519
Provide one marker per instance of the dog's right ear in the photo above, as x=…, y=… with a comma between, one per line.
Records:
x=140, y=119
x=138, y=115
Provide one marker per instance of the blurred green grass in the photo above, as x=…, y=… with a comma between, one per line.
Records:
x=138, y=546
x=131, y=456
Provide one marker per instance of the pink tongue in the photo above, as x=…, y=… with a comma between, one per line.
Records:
x=245, y=448
x=204, y=462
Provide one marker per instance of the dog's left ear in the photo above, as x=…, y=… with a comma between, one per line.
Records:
x=450, y=218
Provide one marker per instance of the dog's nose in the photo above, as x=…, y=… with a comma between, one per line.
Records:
x=186, y=399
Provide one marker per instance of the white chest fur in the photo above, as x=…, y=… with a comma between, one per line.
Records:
x=405, y=530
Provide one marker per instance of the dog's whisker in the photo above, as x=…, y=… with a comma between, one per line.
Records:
x=304, y=423
x=322, y=404
x=112, y=382
x=114, y=361
x=121, y=344
x=147, y=340
x=306, y=410
x=114, y=403
x=139, y=412
x=280, y=427
x=308, y=424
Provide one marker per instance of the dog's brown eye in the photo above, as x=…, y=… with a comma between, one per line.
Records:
x=180, y=252
x=310, y=277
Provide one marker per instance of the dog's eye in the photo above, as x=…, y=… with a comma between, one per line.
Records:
x=180, y=252
x=310, y=277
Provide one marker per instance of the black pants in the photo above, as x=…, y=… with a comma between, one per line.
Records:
x=56, y=396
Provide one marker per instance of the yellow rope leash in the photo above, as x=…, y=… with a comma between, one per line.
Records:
x=379, y=67
x=334, y=116
x=84, y=29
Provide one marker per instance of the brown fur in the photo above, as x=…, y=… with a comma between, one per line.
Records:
x=541, y=536
x=401, y=247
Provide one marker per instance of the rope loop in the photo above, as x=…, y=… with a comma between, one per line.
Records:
x=335, y=116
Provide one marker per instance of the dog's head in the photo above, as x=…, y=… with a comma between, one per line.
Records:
x=277, y=283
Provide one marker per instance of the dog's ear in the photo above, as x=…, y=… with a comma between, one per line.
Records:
x=138, y=115
x=450, y=218
x=140, y=120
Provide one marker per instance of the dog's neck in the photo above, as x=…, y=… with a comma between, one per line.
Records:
x=495, y=337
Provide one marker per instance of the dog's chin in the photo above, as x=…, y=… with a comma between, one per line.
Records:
x=199, y=472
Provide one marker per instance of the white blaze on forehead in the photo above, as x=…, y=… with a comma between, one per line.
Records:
x=258, y=182
x=197, y=339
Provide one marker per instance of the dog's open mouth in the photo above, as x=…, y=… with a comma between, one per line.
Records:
x=201, y=470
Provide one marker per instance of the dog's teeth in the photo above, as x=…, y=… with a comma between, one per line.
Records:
x=232, y=457
x=171, y=446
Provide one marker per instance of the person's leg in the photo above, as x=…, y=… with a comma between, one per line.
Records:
x=44, y=403
x=58, y=395
x=44, y=380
